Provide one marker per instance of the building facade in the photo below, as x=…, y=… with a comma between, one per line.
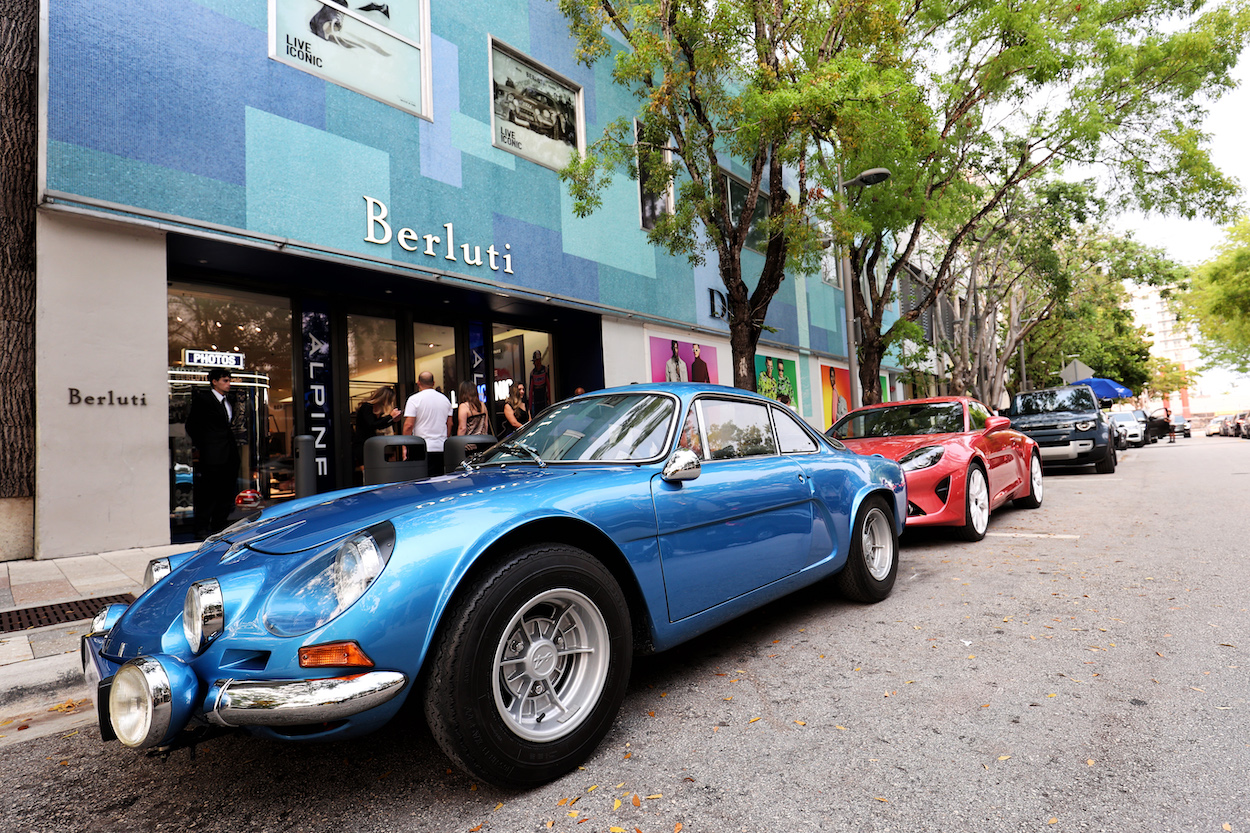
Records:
x=329, y=200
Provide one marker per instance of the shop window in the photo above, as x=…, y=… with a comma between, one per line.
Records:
x=250, y=335
x=537, y=112
x=434, y=347
x=522, y=360
x=377, y=49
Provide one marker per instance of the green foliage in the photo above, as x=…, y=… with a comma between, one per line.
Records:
x=1218, y=301
x=1167, y=377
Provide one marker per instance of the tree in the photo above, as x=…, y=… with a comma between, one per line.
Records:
x=745, y=79
x=19, y=60
x=1218, y=301
x=1017, y=90
x=1167, y=377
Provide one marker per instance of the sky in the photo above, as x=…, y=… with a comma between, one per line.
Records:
x=1193, y=241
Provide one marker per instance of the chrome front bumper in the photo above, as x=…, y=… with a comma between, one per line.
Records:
x=298, y=702
x=1071, y=451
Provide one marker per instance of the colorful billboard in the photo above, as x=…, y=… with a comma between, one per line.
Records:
x=774, y=377
x=682, y=361
x=835, y=387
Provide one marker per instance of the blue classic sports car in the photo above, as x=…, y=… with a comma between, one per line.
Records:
x=508, y=598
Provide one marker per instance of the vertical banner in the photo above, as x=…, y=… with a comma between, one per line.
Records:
x=477, y=358
x=835, y=385
x=682, y=361
x=776, y=377
x=318, y=415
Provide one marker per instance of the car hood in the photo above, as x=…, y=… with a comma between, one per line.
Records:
x=896, y=448
x=1050, y=419
x=345, y=513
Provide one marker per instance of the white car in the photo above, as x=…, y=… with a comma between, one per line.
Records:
x=1133, y=432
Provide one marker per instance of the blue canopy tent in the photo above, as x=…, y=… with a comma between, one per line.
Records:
x=1105, y=388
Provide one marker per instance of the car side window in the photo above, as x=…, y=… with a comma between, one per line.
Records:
x=690, y=436
x=977, y=415
x=791, y=437
x=736, y=429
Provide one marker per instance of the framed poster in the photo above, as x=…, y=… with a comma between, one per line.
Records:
x=776, y=377
x=682, y=361
x=377, y=49
x=835, y=386
x=537, y=113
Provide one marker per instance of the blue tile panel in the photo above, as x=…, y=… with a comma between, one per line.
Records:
x=174, y=107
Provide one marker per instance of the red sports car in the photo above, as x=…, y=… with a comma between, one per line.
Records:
x=961, y=462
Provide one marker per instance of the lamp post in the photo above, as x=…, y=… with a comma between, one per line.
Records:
x=869, y=177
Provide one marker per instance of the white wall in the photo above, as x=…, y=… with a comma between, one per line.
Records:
x=101, y=470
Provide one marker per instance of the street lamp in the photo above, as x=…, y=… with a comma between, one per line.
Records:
x=869, y=177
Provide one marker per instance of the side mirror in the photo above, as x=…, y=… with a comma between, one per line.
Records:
x=997, y=423
x=684, y=464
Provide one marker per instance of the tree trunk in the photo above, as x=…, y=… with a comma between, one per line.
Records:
x=19, y=52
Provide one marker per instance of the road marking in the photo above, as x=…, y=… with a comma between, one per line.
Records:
x=1031, y=535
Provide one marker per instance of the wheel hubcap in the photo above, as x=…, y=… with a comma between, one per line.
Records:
x=877, y=544
x=978, y=501
x=1035, y=474
x=550, y=665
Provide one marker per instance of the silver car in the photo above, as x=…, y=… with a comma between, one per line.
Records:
x=1134, y=434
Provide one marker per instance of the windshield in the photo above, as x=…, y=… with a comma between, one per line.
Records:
x=1059, y=399
x=902, y=421
x=619, y=428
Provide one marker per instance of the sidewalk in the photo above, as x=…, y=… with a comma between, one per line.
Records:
x=40, y=672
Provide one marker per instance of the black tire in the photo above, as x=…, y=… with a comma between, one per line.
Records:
x=872, y=564
x=1034, y=498
x=970, y=530
x=466, y=696
x=1107, y=464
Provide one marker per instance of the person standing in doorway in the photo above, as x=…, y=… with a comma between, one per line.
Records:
x=698, y=367
x=209, y=425
x=427, y=415
x=540, y=384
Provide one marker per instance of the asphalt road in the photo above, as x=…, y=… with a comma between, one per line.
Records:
x=1083, y=668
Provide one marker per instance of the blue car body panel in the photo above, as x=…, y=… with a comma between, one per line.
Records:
x=697, y=553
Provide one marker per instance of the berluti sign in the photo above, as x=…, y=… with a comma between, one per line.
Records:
x=442, y=246
x=108, y=399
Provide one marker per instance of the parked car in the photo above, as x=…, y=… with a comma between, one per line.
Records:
x=961, y=462
x=1144, y=420
x=1237, y=426
x=1180, y=426
x=507, y=598
x=1134, y=431
x=1067, y=425
x=1213, y=426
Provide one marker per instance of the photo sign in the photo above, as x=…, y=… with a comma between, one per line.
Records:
x=682, y=361
x=376, y=49
x=835, y=387
x=536, y=114
x=775, y=377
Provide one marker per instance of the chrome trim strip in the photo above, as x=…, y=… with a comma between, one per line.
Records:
x=297, y=702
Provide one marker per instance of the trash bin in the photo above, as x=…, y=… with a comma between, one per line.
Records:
x=455, y=452
x=380, y=470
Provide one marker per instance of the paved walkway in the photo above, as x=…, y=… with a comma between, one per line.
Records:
x=39, y=663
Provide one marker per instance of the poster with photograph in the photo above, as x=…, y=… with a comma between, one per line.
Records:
x=835, y=386
x=372, y=48
x=535, y=114
x=774, y=377
x=885, y=387
x=682, y=361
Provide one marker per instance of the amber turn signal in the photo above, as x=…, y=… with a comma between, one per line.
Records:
x=334, y=655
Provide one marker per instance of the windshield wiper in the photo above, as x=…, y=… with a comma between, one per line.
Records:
x=522, y=447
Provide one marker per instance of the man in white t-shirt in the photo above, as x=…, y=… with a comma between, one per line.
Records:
x=427, y=414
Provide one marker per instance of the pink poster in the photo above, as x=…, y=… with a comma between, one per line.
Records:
x=682, y=361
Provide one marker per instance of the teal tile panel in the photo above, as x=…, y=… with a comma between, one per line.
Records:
x=366, y=121
x=672, y=295
x=104, y=176
x=307, y=184
x=613, y=235
x=468, y=135
x=254, y=13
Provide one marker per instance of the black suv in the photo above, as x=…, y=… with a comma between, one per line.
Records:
x=1067, y=425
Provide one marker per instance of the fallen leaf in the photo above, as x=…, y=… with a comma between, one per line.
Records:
x=1090, y=762
x=475, y=829
x=752, y=720
x=616, y=830
x=573, y=814
x=499, y=806
x=1159, y=654
x=1195, y=688
x=657, y=795
x=592, y=788
x=883, y=800
x=636, y=801
x=1227, y=826
x=616, y=805
x=1003, y=757
x=677, y=827
x=651, y=714
x=628, y=755
x=801, y=722
x=1053, y=820
x=663, y=693
x=618, y=786
x=730, y=697
x=562, y=802
x=551, y=824
x=840, y=728
x=473, y=788
x=1052, y=695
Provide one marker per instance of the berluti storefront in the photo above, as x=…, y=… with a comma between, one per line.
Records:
x=308, y=341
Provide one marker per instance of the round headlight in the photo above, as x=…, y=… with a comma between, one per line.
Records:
x=107, y=617
x=157, y=569
x=359, y=561
x=1084, y=425
x=203, y=613
x=139, y=703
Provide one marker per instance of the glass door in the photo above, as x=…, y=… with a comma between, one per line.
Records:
x=372, y=383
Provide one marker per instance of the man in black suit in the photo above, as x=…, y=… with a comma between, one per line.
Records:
x=217, y=468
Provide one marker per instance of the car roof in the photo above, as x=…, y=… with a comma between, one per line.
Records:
x=930, y=400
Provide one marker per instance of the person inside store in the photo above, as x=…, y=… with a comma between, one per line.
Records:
x=210, y=427
x=540, y=384
x=514, y=413
x=471, y=417
x=377, y=414
x=428, y=415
